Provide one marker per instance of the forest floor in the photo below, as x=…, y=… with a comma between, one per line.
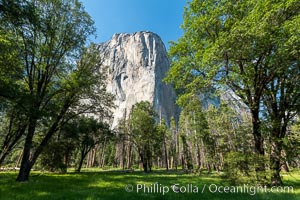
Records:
x=93, y=184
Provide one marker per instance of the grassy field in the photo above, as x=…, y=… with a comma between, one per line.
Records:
x=113, y=185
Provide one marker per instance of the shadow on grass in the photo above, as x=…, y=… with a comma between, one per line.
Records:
x=111, y=185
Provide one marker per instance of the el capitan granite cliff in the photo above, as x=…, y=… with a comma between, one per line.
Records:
x=137, y=64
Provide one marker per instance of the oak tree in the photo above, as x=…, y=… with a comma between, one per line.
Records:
x=241, y=44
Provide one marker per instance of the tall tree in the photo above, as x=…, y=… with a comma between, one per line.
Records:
x=59, y=74
x=235, y=43
x=197, y=124
x=185, y=133
x=233, y=147
x=162, y=132
x=174, y=147
x=143, y=133
x=280, y=101
x=281, y=97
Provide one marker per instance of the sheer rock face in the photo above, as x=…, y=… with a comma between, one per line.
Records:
x=137, y=64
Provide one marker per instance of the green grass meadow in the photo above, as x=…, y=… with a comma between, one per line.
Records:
x=100, y=185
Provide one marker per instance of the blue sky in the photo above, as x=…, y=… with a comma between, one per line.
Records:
x=163, y=17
